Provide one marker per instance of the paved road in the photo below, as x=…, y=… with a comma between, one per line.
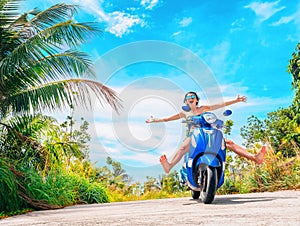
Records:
x=269, y=208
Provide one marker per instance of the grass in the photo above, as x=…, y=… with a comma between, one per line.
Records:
x=276, y=173
x=13, y=213
x=63, y=188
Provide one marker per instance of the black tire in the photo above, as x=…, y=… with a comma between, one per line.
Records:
x=209, y=186
x=195, y=194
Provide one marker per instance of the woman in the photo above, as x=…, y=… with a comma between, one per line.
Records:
x=191, y=99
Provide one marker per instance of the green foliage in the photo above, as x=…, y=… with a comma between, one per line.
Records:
x=229, y=187
x=9, y=197
x=282, y=127
x=277, y=173
x=13, y=213
x=120, y=188
x=54, y=172
x=152, y=184
x=41, y=46
x=171, y=183
x=254, y=132
x=228, y=124
x=113, y=174
x=92, y=193
x=62, y=188
x=20, y=141
x=41, y=69
x=294, y=67
x=279, y=128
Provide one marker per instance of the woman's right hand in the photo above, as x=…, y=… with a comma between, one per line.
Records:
x=151, y=119
x=241, y=98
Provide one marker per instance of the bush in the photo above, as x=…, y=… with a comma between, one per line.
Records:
x=9, y=197
x=63, y=188
x=277, y=173
x=92, y=193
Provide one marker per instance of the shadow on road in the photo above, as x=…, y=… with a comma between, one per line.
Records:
x=240, y=200
x=223, y=200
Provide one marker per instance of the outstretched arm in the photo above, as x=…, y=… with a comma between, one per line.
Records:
x=170, y=118
x=227, y=103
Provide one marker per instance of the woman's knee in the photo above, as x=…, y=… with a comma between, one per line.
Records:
x=229, y=144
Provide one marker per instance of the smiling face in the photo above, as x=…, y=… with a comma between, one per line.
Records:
x=191, y=99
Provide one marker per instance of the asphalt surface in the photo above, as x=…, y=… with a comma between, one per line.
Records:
x=268, y=208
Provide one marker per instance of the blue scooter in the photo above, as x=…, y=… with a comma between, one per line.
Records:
x=204, y=166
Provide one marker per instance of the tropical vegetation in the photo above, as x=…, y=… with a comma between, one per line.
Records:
x=44, y=163
x=42, y=68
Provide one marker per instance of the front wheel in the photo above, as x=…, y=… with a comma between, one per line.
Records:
x=208, y=184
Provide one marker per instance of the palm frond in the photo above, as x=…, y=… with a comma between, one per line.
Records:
x=53, y=15
x=51, y=18
x=55, y=67
x=25, y=55
x=30, y=125
x=41, y=20
x=64, y=93
x=35, y=72
x=8, y=11
x=67, y=64
x=70, y=33
x=45, y=43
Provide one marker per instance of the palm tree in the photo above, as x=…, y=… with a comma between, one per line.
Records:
x=39, y=65
x=41, y=68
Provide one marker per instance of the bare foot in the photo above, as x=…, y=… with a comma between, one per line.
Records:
x=259, y=157
x=164, y=162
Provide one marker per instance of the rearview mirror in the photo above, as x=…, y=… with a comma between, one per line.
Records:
x=227, y=112
x=186, y=108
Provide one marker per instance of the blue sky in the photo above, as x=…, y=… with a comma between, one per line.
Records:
x=217, y=49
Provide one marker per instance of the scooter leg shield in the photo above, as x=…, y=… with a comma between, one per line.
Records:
x=209, y=159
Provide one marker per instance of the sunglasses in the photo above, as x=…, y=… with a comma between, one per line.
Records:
x=190, y=97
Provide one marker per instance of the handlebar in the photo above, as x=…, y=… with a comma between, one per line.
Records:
x=201, y=121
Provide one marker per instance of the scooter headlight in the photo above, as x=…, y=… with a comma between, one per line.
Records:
x=210, y=117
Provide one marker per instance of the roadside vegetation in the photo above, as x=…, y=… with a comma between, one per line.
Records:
x=45, y=164
x=42, y=69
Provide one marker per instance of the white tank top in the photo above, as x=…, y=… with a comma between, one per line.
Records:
x=187, y=115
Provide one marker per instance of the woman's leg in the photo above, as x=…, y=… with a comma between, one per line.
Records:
x=185, y=147
x=258, y=158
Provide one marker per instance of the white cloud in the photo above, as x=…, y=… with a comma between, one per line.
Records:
x=92, y=7
x=220, y=60
x=186, y=21
x=120, y=23
x=237, y=25
x=265, y=10
x=176, y=33
x=117, y=23
x=284, y=20
x=127, y=138
x=130, y=145
x=149, y=4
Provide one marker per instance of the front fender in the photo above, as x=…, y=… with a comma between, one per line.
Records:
x=209, y=159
